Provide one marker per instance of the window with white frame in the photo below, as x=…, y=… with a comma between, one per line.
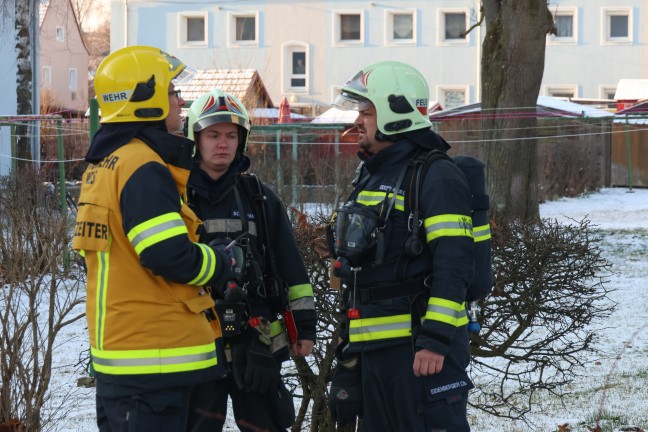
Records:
x=400, y=27
x=295, y=67
x=73, y=83
x=348, y=27
x=192, y=28
x=46, y=79
x=244, y=28
x=562, y=91
x=452, y=24
x=607, y=92
x=60, y=34
x=617, y=25
x=452, y=96
x=73, y=79
x=566, y=22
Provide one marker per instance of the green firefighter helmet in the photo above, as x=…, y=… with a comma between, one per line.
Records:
x=132, y=84
x=398, y=92
x=219, y=107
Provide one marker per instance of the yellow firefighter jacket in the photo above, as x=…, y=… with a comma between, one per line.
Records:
x=145, y=269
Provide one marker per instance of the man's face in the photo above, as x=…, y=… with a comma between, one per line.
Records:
x=367, y=124
x=173, y=120
x=217, y=145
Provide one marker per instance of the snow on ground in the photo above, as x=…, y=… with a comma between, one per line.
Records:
x=613, y=389
x=616, y=378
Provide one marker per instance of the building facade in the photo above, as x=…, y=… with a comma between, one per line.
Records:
x=8, y=71
x=305, y=50
x=63, y=60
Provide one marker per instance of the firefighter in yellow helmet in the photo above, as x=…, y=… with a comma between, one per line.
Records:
x=152, y=349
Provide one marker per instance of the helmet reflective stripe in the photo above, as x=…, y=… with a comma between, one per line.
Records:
x=371, y=329
x=398, y=91
x=154, y=361
x=447, y=311
x=156, y=230
x=448, y=225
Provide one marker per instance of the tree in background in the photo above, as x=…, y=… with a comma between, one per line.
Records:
x=24, y=13
x=94, y=20
x=512, y=67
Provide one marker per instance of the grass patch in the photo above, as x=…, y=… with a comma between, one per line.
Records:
x=606, y=420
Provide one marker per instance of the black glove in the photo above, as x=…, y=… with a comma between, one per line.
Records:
x=224, y=259
x=253, y=366
x=345, y=396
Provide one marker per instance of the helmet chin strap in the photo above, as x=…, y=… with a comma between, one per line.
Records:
x=393, y=138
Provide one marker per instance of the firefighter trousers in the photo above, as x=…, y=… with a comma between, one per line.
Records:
x=178, y=409
x=394, y=399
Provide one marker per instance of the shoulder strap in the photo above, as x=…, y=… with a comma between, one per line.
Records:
x=417, y=169
x=275, y=287
x=421, y=165
x=254, y=192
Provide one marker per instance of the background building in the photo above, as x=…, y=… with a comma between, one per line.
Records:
x=306, y=49
x=63, y=60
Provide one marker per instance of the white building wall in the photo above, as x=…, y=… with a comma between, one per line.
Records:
x=8, y=103
x=588, y=64
x=591, y=62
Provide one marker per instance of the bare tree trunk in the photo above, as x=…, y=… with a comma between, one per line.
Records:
x=512, y=68
x=23, y=10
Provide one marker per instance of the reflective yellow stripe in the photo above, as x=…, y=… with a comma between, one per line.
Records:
x=446, y=311
x=156, y=230
x=482, y=233
x=371, y=198
x=276, y=328
x=372, y=329
x=154, y=361
x=103, y=265
x=448, y=225
x=277, y=336
x=208, y=267
x=298, y=291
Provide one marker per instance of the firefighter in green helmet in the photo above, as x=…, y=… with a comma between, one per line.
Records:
x=404, y=350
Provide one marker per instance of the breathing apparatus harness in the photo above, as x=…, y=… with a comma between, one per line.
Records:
x=251, y=273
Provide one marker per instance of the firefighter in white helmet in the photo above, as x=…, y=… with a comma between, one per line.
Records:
x=267, y=307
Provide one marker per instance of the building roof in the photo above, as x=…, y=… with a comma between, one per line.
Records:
x=546, y=107
x=42, y=10
x=245, y=84
x=632, y=89
x=273, y=114
x=337, y=116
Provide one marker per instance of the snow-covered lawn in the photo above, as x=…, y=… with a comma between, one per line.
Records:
x=614, y=385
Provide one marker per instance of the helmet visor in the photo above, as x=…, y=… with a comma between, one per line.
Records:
x=184, y=76
x=181, y=72
x=349, y=102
